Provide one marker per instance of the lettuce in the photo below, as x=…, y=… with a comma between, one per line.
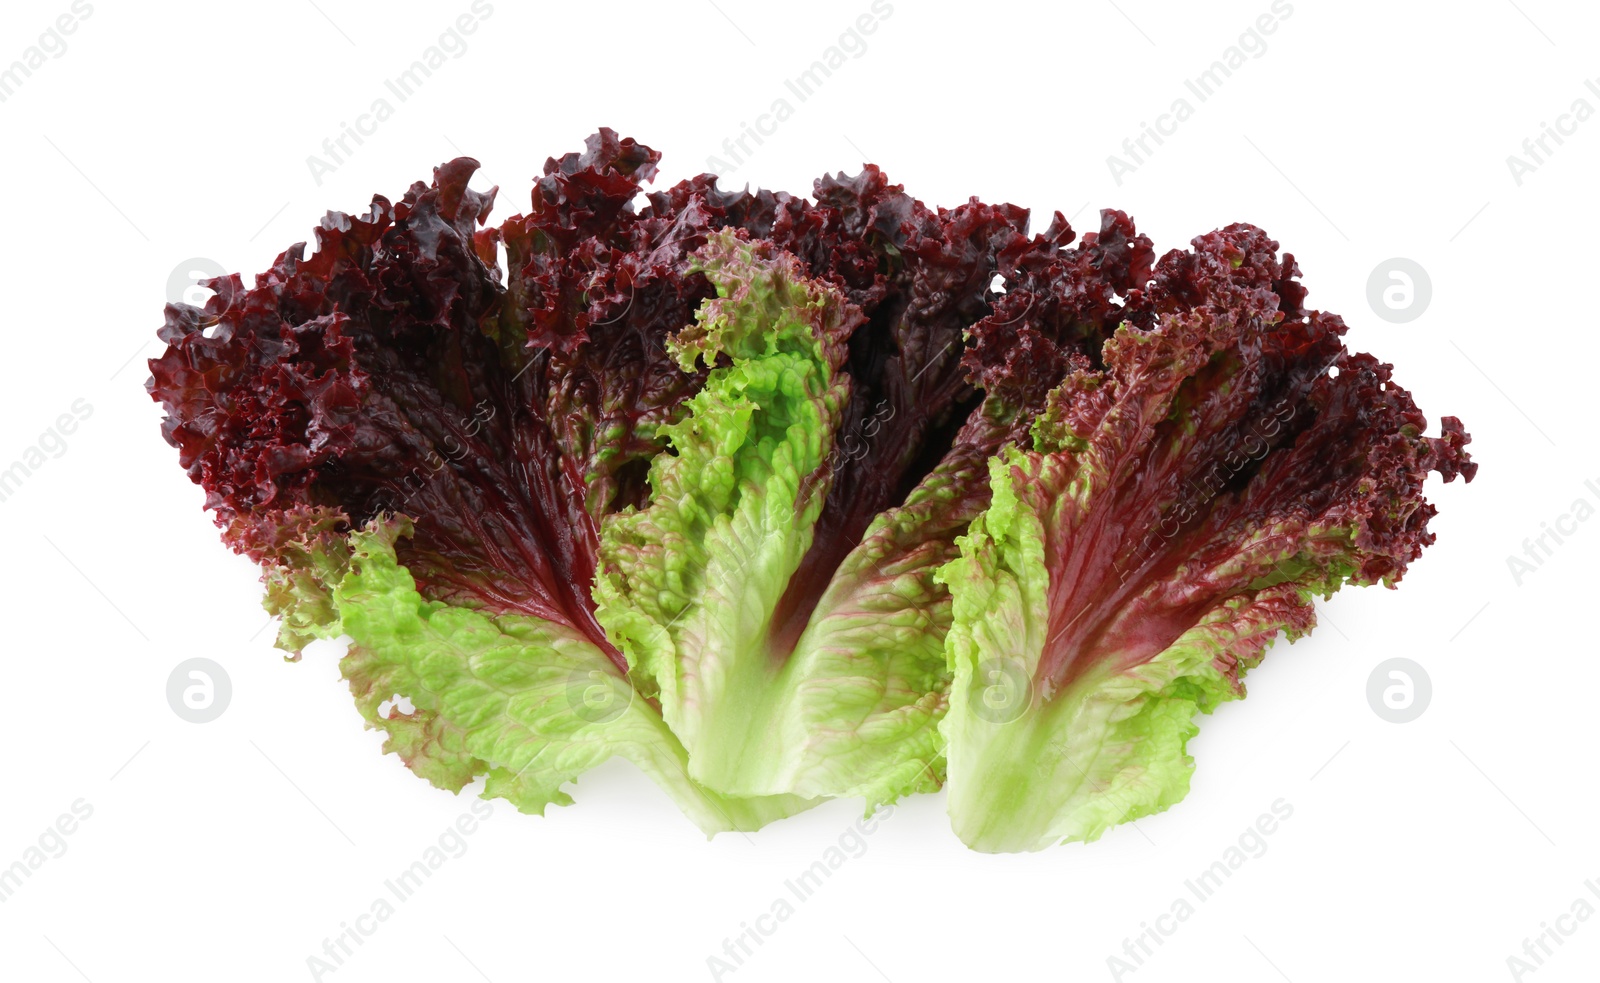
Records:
x=420, y=458
x=695, y=586
x=1179, y=508
x=785, y=499
x=779, y=592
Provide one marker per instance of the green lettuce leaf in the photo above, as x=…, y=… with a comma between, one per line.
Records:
x=1181, y=507
x=530, y=703
x=689, y=586
x=1031, y=767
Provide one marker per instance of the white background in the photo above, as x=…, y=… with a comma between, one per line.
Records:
x=1365, y=131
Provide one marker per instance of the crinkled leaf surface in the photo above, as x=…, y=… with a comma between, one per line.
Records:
x=1180, y=508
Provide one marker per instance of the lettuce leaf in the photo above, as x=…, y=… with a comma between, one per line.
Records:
x=784, y=499
x=1181, y=506
x=389, y=386
x=777, y=594
x=532, y=702
x=689, y=585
